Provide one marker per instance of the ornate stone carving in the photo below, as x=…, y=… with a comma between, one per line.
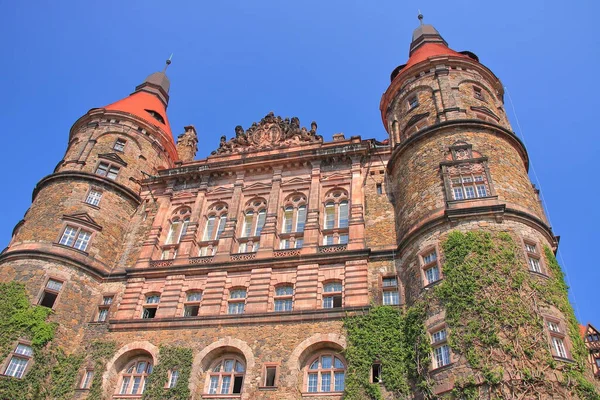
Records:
x=270, y=132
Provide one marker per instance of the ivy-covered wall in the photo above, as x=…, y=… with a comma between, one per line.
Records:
x=53, y=373
x=170, y=359
x=493, y=307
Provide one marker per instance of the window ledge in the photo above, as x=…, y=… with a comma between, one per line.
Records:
x=268, y=388
x=91, y=205
x=432, y=284
x=440, y=369
x=562, y=359
x=221, y=396
x=322, y=394
x=85, y=253
x=540, y=274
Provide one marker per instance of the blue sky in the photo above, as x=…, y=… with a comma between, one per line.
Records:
x=329, y=61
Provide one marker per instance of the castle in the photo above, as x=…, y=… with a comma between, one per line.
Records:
x=251, y=259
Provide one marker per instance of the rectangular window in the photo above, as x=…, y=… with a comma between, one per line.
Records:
x=530, y=248
x=102, y=315
x=441, y=351
x=413, y=101
x=481, y=191
x=283, y=305
x=559, y=347
x=432, y=274
x=18, y=362
x=93, y=197
x=210, y=227
x=149, y=312
x=312, y=382
x=329, y=216
x=299, y=243
x=50, y=294
x=75, y=237
x=327, y=240
x=325, y=382
x=225, y=384
x=248, y=224
x=534, y=265
x=379, y=188
x=270, y=374
x=260, y=223
x=343, y=215
x=344, y=239
x=301, y=219
x=391, y=298
x=107, y=300
x=288, y=215
x=553, y=327
x=173, y=378
x=214, y=384
x=120, y=145
x=470, y=192
x=376, y=373
x=191, y=311
x=390, y=281
x=86, y=382
x=477, y=93
x=107, y=170
x=236, y=308
x=332, y=301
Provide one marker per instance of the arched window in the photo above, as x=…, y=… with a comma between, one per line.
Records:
x=335, y=217
x=254, y=218
x=179, y=225
x=237, y=301
x=325, y=373
x=332, y=294
x=293, y=220
x=284, y=297
x=215, y=225
x=226, y=376
x=134, y=375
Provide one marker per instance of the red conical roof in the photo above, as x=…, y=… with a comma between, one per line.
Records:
x=428, y=50
x=140, y=104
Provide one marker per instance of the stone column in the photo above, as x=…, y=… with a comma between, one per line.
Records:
x=267, y=237
x=151, y=243
x=356, y=221
x=226, y=241
x=311, y=228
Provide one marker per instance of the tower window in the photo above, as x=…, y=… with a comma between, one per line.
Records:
x=413, y=102
x=51, y=292
x=379, y=188
x=75, y=237
x=120, y=145
x=477, y=93
x=107, y=170
x=156, y=116
x=533, y=257
x=390, y=296
x=18, y=361
x=270, y=375
x=93, y=197
x=441, y=350
x=430, y=267
x=103, y=308
x=557, y=339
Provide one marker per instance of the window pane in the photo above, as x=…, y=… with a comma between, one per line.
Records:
x=102, y=169
x=343, y=239
x=301, y=219
x=184, y=228
x=343, y=217
x=339, y=381
x=125, y=384
x=262, y=214
x=54, y=285
x=432, y=274
x=429, y=258
x=107, y=300
x=93, y=197
x=236, y=308
x=83, y=238
x=239, y=367
x=457, y=192
x=328, y=240
x=329, y=216
x=112, y=172
x=152, y=299
x=137, y=381
x=333, y=287
x=439, y=336
x=16, y=367
x=284, y=290
x=173, y=379
x=214, y=384
x=68, y=237
x=326, y=362
x=225, y=384
x=559, y=346
x=391, y=297
x=87, y=379
x=328, y=302
x=390, y=282
x=481, y=191
x=299, y=243
x=238, y=294
x=337, y=363
x=102, y=314
x=325, y=382
x=288, y=215
x=312, y=382
x=221, y=228
x=194, y=296
x=534, y=264
x=228, y=366
x=283, y=305
x=247, y=224
x=470, y=192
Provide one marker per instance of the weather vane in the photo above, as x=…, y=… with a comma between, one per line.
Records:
x=167, y=63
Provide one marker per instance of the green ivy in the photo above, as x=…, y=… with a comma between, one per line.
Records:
x=493, y=312
x=397, y=340
x=53, y=373
x=169, y=359
x=493, y=308
x=100, y=352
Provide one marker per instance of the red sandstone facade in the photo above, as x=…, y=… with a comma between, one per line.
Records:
x=256, y=253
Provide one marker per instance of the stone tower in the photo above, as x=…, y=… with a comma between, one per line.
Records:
x=456, y=165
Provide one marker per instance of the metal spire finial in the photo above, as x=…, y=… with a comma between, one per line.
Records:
x=420, y=16
x=167, y=63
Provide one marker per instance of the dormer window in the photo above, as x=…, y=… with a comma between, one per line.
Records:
x=156, y=116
